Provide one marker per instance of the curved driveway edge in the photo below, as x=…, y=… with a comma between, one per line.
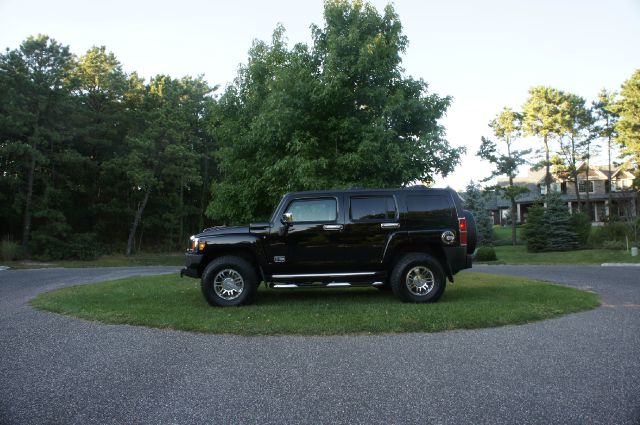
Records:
x=580, y=368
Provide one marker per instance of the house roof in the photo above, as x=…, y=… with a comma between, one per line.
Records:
x=598, y=172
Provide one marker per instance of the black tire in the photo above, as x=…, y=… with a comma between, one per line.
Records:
x=232, y=272
x=472, y=232
x=432, y=282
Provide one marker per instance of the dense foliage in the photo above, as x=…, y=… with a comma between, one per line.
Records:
x=336, y=114
x=86, y=150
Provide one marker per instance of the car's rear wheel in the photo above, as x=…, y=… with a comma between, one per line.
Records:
x=418, y=278
x=229, y=281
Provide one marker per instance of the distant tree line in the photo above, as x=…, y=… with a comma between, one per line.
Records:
x=94, y=159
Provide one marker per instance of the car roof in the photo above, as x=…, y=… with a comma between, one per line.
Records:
x=362, y=190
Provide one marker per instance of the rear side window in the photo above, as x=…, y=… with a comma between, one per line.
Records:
x=427, y=207
x=313, y=210
x=372, y=208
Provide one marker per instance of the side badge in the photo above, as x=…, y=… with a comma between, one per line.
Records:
x=448, y=237
x=279, y=259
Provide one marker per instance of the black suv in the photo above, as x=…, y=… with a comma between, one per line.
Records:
x=406, y=239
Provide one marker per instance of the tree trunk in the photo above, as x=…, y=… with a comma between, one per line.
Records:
x=513, y=222
x=205, y=187
x=577, y=187
x=610, y=180
x=513, y=211
x=136, y=221
x=588, y=203
x=547, y=176
x=181, y=224
x=26, y=227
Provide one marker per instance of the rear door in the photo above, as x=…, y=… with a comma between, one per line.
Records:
x=370, y=219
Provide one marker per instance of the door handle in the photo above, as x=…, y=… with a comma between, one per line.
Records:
x=390, y=225
x=332, y=227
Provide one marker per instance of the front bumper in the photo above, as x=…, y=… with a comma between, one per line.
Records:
x=192, y=268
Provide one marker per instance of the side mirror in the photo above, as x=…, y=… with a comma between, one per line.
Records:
x=287, y=218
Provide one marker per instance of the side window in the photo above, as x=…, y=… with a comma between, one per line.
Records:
x=372, y=208
x=425, y=207
x=313, y=210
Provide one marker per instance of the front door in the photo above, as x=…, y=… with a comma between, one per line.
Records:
x=311, y=243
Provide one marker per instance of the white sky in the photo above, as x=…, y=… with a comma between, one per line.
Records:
x=486, y=54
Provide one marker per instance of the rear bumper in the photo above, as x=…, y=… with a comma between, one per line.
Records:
x=192, y=262
x=458, y=259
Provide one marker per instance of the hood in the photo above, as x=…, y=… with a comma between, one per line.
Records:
x=223, y=230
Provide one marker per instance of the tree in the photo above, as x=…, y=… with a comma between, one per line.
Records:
x=535, y=230
x=34, y=81
x=575, y=140
x=160, y=154
x=549, y=228
x=606, y=119
x=628, y=108
x=560, y=232
x=475, y=200
x=507, y=127
x=543, y=118
x=337, y=114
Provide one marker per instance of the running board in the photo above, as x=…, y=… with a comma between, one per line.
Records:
x=320, y=285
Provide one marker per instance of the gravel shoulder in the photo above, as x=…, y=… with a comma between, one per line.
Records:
x=580, y=368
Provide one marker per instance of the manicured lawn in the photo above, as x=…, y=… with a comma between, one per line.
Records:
x=503, y=233
x=476, y=300
x=112, y=260
x=518, y=255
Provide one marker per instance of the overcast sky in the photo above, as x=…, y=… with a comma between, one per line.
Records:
x=486, y=54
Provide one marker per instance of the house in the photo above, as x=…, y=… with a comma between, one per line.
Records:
x=594, y=183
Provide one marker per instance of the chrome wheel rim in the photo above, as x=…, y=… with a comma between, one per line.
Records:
x=420, y=281
x=228, y=284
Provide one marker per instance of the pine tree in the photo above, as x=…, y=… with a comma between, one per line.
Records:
x=561, y=236
x=475, y=200
x=535, y=230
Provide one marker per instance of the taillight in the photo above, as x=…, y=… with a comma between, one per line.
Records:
x=462, y=226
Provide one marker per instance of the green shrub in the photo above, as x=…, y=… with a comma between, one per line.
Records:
x=9, y=250
x=83, y=246
x=581, y=226
x=613, y=231
x=486, y=253
x=618, y=245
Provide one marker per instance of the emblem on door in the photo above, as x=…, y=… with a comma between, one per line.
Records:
x=279, y=259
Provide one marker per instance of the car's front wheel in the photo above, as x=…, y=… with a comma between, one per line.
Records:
x=418, y=278
x=229, y=281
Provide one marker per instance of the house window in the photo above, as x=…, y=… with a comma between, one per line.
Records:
x=555, y=187
x=585, y=186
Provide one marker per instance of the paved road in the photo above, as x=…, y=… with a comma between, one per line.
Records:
x=579, y=369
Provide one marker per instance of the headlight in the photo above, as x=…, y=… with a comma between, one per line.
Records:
x=196, y=244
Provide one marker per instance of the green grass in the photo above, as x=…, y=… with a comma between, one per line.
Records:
x=111, y=260
x=519, y=255
x=503, y=233
x=476, y=300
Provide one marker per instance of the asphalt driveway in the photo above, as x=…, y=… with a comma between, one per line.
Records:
x=577, y=369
